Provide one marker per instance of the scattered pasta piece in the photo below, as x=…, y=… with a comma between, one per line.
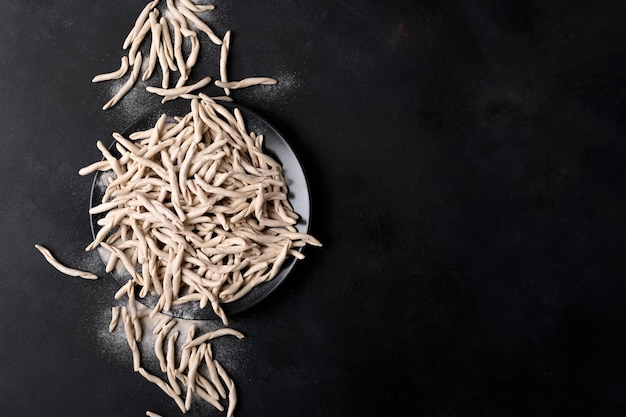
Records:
x=62, y=268
x=246, y=82
x=128, y=85
x=113, y=75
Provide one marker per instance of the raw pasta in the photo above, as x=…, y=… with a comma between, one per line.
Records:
x=194, y=211
x=198, y=200
x=62, y=268
x=167, y=48
x=115, y=74
x=185, y=371
x=246, y=82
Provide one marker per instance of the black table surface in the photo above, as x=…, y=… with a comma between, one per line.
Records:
x=467, y=165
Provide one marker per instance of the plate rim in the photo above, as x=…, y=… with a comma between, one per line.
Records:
x=261, y=292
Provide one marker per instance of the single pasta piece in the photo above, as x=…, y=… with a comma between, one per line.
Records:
x=115, y=74
x=197, y=8
x=130, y=339
x=155, y=45
x=224, y=331
x=62, y=268
x=115, y=317
x=128, y=85
x=246, y=82
x=224, y=59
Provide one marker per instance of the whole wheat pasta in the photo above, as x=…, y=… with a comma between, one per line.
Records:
x=115, y=74
x=62, y=268
x=246, y=82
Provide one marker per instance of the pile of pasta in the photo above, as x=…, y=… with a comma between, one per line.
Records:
x=167, y=36
x=189, y=368
x=195, y=210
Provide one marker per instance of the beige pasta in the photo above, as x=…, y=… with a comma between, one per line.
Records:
x=62, y=268
x=139, y=23
x=212, y=335
x=186, y=371
x=209, y=209
x=224, y=60
x=246, y=82
x=172, y=93
x=200, y=25
x=197, y=8
x=194, y=211
x=128, y=85
x=115, y=74
x=115, y=316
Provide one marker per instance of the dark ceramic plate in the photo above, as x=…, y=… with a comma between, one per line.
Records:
x=299, y=197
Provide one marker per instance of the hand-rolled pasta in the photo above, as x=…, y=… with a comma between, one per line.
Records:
x=62, y=268
x=115, y=74
x=200, y=201
x=246, y=82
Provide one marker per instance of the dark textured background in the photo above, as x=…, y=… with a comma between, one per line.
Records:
x=467, y=163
